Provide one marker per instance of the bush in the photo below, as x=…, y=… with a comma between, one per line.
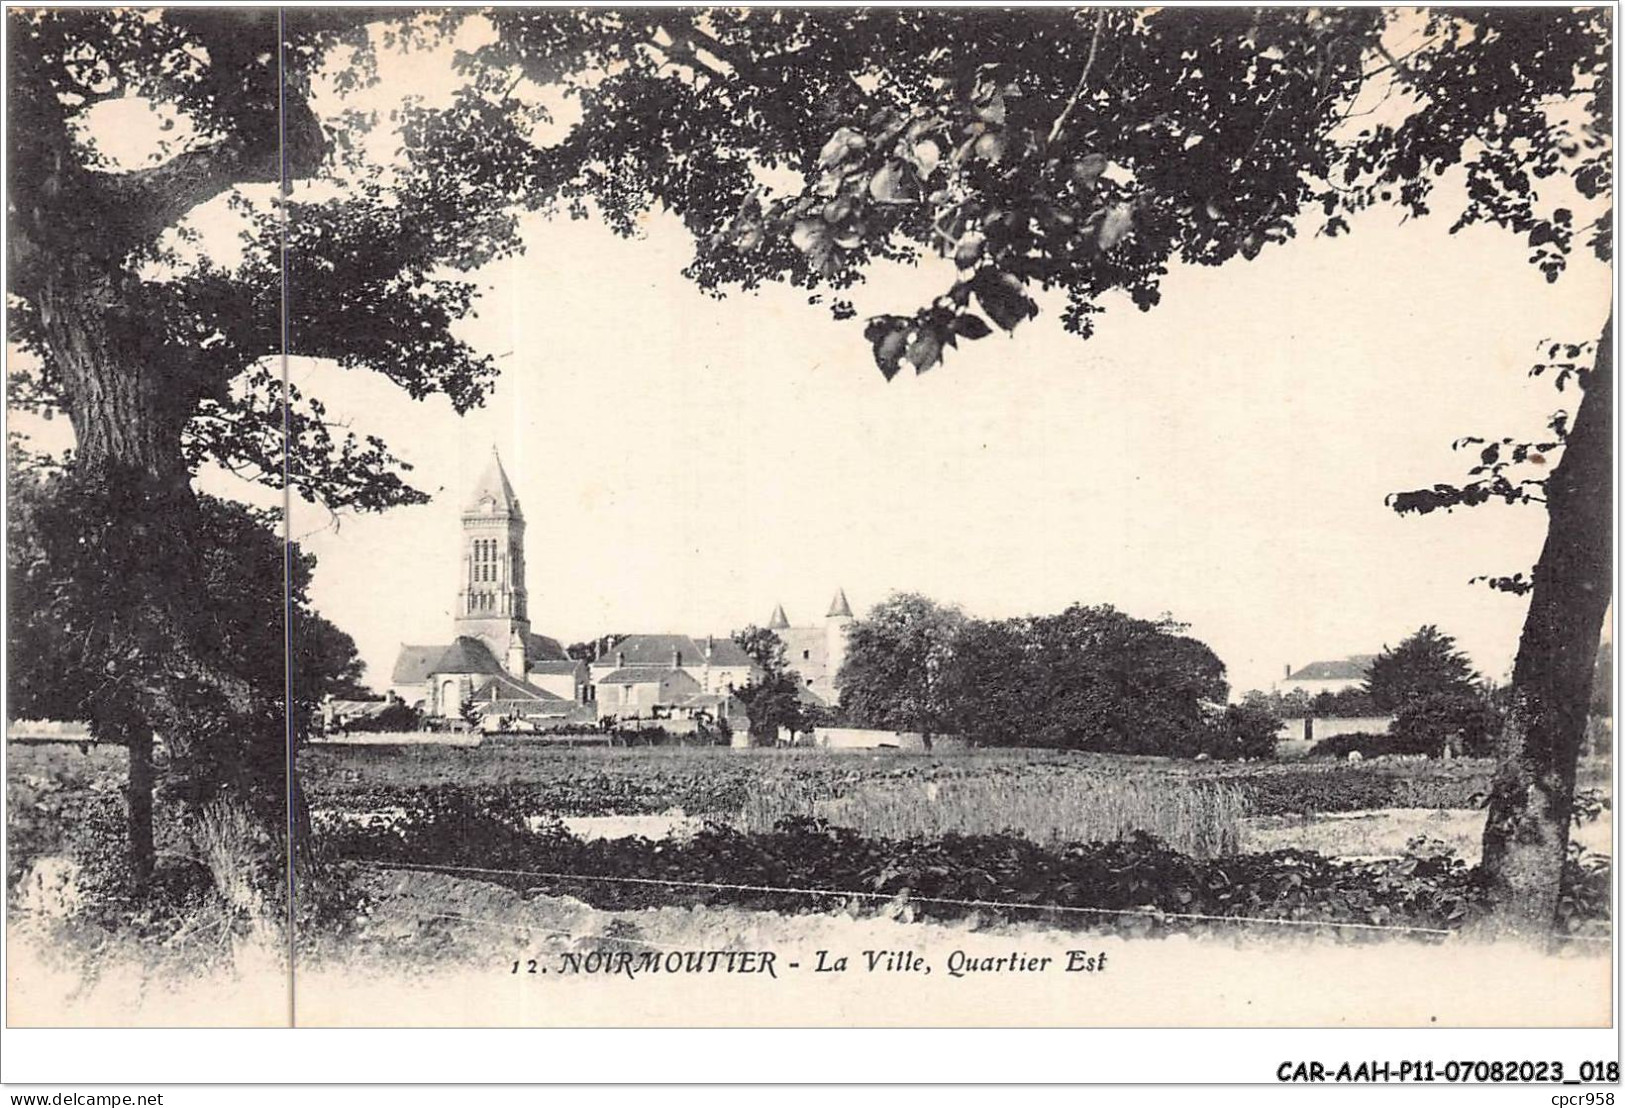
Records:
x=1464, y=722
x=1242, y=731
x=396, y=717
x=1138, y=884
x=1348, y=704
x=1369, y=746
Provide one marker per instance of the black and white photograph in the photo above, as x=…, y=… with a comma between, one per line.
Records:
x=815, y=517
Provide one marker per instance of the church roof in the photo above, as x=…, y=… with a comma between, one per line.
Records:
x=779, y=621
x=467, y=654
x=503, y=687
x=839, y=606
x=414, y=664
x=657, y=650
x=567, y=666
x=494, y=483
x=540, y=648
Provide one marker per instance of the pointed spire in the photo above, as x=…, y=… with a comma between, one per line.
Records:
x=779, y=621
x=839, y=606
x=494, y=484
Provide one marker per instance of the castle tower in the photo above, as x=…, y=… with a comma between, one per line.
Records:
x=837, y=621
x=491, y=593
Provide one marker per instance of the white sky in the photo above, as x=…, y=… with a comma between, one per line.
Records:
x=686, y=463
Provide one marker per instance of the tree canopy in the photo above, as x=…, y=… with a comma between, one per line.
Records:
x=1087, y=678
x=1426, y=663
x=1083, y=151
x=773, y=698
x=896, y=655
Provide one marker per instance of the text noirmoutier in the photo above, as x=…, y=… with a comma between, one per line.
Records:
x=671, y=963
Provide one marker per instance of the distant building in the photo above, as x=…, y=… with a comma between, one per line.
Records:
x=495, y=661
x=815, y=653
x=670, y=676
x=636, y=692
x=1327, y=677
x=716, y=664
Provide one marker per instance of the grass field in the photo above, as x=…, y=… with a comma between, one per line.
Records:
x=990, y=826
x=1201, y=809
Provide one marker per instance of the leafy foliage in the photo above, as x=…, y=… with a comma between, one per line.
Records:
x=1344, y=704
x=74, y=615
x=1139, y=886
x=1241, y=731
x=1508, y=470
x=1426, y=663
x=1088, y=678
x=1084, y=150
x=894, y=674
x=772, y=698
x=1351, y=703
x=1462, y=722
x=394, y=718
x=367, y=271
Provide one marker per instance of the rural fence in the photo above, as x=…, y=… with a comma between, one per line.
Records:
x=1151, y=914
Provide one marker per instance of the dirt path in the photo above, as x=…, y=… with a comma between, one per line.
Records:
x=441, y=949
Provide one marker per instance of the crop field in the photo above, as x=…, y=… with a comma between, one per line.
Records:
x=971, y=840
x=1050, y=798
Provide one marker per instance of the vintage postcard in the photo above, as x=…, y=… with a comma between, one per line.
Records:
x=811, y=517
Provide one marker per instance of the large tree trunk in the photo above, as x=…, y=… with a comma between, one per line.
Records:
x=1531, y=800
x=143, y=853
x=132, y=532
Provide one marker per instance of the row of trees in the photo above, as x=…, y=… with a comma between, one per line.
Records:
x=1440, y=704
x=1088, y=678
x=1085, y=150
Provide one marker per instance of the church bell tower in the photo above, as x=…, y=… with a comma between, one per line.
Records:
x=491, y=594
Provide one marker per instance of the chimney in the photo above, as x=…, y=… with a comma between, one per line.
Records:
x=620, y=659
x=1287, y=675
x=676, y=658
x=710, y=646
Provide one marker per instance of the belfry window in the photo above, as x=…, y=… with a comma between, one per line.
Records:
x=485, y=560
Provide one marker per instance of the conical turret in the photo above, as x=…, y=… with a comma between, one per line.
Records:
x=493, y=495
x=839, y=608
x=779, y=621
x=836, y=625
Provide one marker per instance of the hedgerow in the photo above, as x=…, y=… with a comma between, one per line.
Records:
x=1138, y=885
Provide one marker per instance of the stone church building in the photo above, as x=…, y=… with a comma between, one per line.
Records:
x=494, y=660
x=495, y=663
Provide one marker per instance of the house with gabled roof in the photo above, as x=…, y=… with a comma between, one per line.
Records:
x=1330, y=676
x=714, y=666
